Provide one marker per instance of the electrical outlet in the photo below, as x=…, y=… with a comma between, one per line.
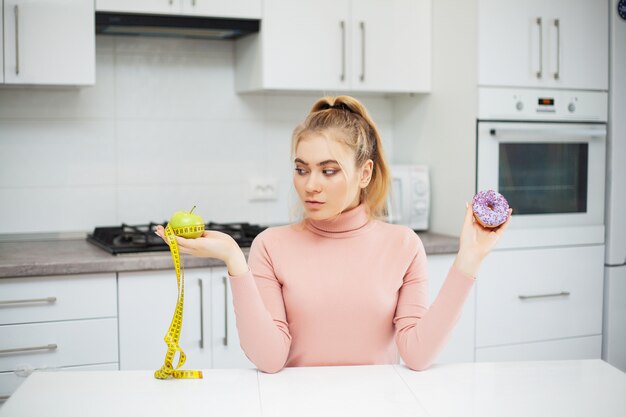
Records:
x=263, y=189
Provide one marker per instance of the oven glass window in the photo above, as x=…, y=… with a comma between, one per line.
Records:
x=544, y=178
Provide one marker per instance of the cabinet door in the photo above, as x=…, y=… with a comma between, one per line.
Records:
x=532, y=295
x=139, y=6
x=227, y=352
x=391, y=45
x=146, y=304
x=49, y=42
x=577, y=43
x=248, y=9
x=460, y=345
x=305, y=44
x=511, y=39
x=519, y=43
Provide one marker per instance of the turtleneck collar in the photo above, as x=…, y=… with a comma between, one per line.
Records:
x=346, y=224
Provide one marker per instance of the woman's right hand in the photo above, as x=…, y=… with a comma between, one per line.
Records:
x=212, y=244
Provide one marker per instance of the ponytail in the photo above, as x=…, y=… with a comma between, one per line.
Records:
x=349, y=116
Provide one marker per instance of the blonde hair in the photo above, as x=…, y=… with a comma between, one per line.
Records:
x=347, y=115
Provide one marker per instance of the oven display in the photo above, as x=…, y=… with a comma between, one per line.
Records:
x=545, y=101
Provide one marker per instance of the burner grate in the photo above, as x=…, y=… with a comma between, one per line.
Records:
x=141, y=238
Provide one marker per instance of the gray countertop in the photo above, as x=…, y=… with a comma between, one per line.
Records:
x=77, y=256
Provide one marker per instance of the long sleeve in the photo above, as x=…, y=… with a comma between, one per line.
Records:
x=421, y=332
x=260, y=312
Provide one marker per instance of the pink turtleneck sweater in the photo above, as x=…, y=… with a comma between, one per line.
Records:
x=348, y=291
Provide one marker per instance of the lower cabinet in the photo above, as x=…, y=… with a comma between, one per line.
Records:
x=540, y=304
x=147, y=301
x=460, y=345
x=56, y=323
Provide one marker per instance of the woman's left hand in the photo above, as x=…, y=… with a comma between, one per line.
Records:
x=476, y=242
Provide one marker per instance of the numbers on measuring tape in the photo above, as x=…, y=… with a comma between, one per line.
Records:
x=172, y=336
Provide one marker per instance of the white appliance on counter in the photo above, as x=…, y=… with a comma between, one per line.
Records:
x=409, y=197
x=614, y=326
x=545, y=151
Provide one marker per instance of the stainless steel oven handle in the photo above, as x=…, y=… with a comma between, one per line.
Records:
x=587, y=132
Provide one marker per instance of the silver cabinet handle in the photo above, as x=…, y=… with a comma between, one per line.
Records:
x=558, y=48
x=51, y=346
x=193, y=3
x=225, y=281
x=200, y=283
x=171, y=2
x=362, y=26
x=3, y=398
x=28, y=301
x=342, y=25
x=17, y=40
x=540, y=47
x=557, y=294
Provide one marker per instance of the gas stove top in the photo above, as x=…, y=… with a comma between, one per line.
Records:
x=141, y=238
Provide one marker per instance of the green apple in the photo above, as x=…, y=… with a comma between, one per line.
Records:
x=187, y=224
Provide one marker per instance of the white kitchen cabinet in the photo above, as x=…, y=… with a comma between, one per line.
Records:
x=341, y=45
x=555, y=44
x=56, y=322
x=250, y=9
x=539, y=295
x=49, y=42
x=460, y=345
x=227, y=352
x=147, y=301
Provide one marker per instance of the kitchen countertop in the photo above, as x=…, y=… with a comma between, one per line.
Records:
x=77, y=256
x=547, y=388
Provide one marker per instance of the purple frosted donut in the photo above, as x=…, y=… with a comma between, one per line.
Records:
x=490, y=208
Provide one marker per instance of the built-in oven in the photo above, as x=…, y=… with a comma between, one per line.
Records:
x=545, y=152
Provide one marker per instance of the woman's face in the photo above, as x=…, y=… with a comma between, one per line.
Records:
x=326, y=178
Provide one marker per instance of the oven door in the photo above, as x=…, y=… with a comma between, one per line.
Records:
x=552, y=174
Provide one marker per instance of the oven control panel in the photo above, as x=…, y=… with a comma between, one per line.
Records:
x=495, y=103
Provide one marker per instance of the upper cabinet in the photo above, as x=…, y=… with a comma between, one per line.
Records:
x=554, y=44
x=49, y=42
x=250, y=9
x=344, y=45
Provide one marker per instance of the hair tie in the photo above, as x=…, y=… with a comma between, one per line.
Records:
x=339, y=106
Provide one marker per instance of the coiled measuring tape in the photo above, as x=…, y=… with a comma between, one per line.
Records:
x=172, y=336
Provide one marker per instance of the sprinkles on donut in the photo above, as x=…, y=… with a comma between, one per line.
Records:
x=490, y=208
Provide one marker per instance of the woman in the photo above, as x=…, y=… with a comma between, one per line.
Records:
x=342, y=287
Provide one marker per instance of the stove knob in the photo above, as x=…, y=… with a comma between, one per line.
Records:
x=571, y=107
x=519, y=106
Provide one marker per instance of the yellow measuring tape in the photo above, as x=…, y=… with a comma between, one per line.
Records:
x=173, y=333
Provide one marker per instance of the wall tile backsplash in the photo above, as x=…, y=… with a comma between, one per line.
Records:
x=162, y=130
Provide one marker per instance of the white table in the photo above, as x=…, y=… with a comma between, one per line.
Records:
x=555, y=388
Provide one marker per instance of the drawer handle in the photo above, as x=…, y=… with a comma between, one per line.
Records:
x=556, y=294
x=3, y=398
x=31, y=300
x=51, y=346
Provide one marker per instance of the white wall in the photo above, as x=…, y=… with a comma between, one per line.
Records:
x=439, y=129
x=162, y=130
